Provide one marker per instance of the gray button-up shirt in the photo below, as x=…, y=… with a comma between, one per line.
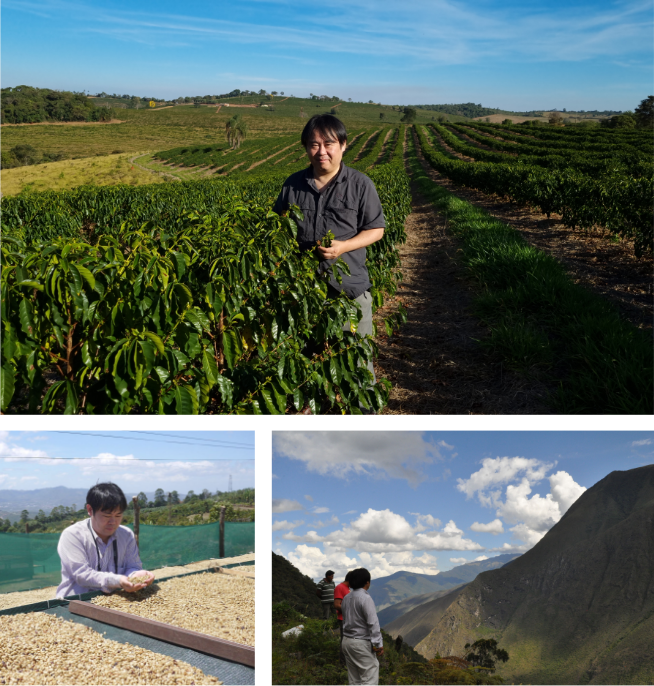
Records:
x=348, y=205
x=360, y=618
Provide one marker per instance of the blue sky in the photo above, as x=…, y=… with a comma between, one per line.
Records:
x=515, y=55
x=429, y=501
x=135, y=460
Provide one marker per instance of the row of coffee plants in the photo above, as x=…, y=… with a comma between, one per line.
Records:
x=371, y=154
x=182, y=298
x=621, y=204
x=617, y=159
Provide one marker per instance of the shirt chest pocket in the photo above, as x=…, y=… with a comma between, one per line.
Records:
x=342, y=218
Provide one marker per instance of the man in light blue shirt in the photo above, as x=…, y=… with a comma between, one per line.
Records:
x=362, y=639
x=98, y=554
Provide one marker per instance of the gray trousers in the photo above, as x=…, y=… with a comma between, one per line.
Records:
x=327, y=610
x=365, y=324
x=362, y=664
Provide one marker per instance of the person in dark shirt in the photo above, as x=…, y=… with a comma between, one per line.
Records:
x=336, y=198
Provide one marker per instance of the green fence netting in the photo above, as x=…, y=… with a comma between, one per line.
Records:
x=30, y=561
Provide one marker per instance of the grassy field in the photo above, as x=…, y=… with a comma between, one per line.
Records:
x=100, y=171
x=146, y=129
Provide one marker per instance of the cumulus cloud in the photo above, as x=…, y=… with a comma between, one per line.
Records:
x=564, y=490
x=380, y=454
x=283, y=525
x=495, y=527
x=320, y=510
x=383, y=531
x=480, y=558
x=285, y=505
x=309, y=498
x=458, y=560
x=532, y=515
x=314, y=562
x=499, y=471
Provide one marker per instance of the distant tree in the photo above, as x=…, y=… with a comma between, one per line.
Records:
x=24, y=516
x=645, y=112
x=508, y=121
x=159, y=498
x=485, y=653
x=555, y=119
x=206, y=493
x=262, y=91
x=273, y=93
x=174, y=498
x=190, y=497
x=282, y=93
x=626, y=120
x=333, y=111
x=410, y=115
x=236, y=129
x=382, y=115
x=142, y=499
x=349, y=99
x=41, y=516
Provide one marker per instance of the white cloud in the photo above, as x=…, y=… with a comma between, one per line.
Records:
x=283, y=525
x=495, y=527
x=274, y=476
x=480, y=558
x=458, y=560
x=285, y=505
x=314, y=562
x=14, y=452
x=499, y=471
x=350, y=512
x=532, y=516
x=443, y=444
x=309, y=498
x=320, y=510
x=564, y=490
x=29, y=478
x=645, y=441
x=379, y=454
x=383, y=531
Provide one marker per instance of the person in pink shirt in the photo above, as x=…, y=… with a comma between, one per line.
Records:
x=339, y=593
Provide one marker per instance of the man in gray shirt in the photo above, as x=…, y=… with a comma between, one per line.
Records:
x=362, y=639
x=339, y=199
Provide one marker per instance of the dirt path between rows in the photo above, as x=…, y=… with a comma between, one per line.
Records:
x=435, y=362
x=609, y=269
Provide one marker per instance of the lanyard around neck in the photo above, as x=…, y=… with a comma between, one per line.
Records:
x=98, y=549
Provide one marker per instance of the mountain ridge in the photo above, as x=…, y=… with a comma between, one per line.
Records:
x=579, y=606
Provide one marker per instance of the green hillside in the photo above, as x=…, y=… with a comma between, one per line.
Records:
x=578, y=608
x=295, y=589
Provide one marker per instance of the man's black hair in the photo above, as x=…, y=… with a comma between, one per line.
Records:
x=348, y=576
x=329, y=572
x=359, y=578
x=327, y=125
x=106, y=497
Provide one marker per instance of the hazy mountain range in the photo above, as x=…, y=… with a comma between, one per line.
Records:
x=12, y=502
x=391, y=590
x=578, y=608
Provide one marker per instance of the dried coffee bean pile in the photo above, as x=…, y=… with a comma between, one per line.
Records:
x=219, y=605
x=36, y=648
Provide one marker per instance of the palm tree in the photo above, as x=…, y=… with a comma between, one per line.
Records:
x=236, y=129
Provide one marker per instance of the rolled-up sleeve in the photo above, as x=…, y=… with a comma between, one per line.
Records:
x=371, y=214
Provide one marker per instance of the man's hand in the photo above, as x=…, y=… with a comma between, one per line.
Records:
x=336, y=249
x=130, y=587
x=378, y=651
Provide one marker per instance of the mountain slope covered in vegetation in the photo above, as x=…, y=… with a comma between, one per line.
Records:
x=578, y=608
